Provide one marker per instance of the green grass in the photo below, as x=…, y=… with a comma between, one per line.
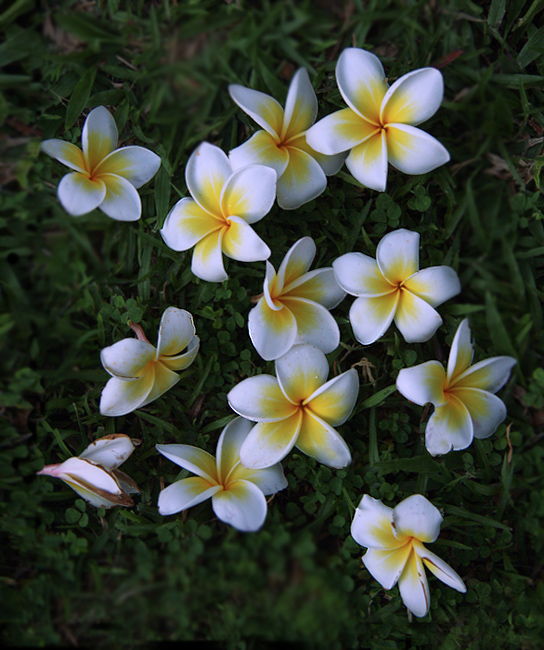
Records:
x=70, y=574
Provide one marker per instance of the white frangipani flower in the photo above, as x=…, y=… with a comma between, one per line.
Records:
x=294, y=306
x=391, y=288
x=94, y=474
x=104, y=177
x=463, y=397
x=142, y=372
x=217, y=219
x=380, y=124
x=237, y=493
x=395, y=540
x=298, y=408
x=302, y=171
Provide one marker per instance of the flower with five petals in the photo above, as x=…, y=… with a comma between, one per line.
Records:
x=463, y=397
x=298, y=408
x=391, y=288
x=294, y=306
x=379, y=125
x=302, y=171
x=395, y=539
x=217, y=219
x=237, y=493
x=140, y=372
x=104, y=177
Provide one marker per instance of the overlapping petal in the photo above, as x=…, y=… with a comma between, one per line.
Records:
x=186, y=224
x=99, y=137
x=413, y=151
x=269, y=480
x=163, y=380
x=206, y=173
x=423, y=383
x=301, y=372
x=240, y=242
x=175, y=331
x=449, y=427
x=361, y=80
x=296, y=262
x=329, y=164
x=122, y=201
x=261, y=399
x=371, y=525
x=315, y=325
x=127, y=358
x=434, y=285
x=79, y=194
x=184, y=360
x=360, y=275
x=416, y=517
x=413, y=586
x=339, y=132
x=249, y=193
x=397, y=255
x=370, y=318
x=262, y=108
x=185, y=494
x=300, y=106
x=269, y=442
x=302, y=180
x=489, y=374
x=136, y=164
x=228, y=446
x=415, y=318
x=335, y=400
x=192, y=459
x=109, y=451
x=319, y=286
x=386, y=566
x=439, y=568
x=260, y=149
x=322, y=442
x=272, y=332
x=486, y=410
x=461, y=352
x=368, y=162
x=207, y=261
x=243, y=506
x=413, y=98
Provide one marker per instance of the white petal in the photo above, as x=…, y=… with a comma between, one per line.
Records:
x=176, y=331
x=185, y=359
x=249, y=193
x=122, y=201
x=413, y=151
x=335, y=400
x=186, y=224
x=269, y=442
x=371, y=525
x=486, y=410
x=207, y=262
x=370, y=317
x=322, y=442
x=315, y=325
x=417, y=517
x=242, y=505
x=127, y=358
x=206, y=172
x=241, y=242
x=398, y=255
x=339, y=132
x=109, y=451
x=192, y=459
x=260, y=149
x=79, y=195
x=360, y=275
x=386, y=566
x=260, y=399
x=121, y=396
x=136, y=164
x=262, y=108
x=461, y=352
x=449, y=427
x=329, y=164
x=434, y=285
x=302, y=180
x=301, y=372
x=413, y=586
x=489, y=374
x=368, y=162
x=228, y=445
x=440, y=569
x=423, y=383
x=269, y=480
x=163, y=380
x=413, y=98
x=272, y=332
x=300, y=106
x=65, y=152
x=296, y=262
x=415, y=318
x=318, y=286
x=185, y=494
x=99, y=136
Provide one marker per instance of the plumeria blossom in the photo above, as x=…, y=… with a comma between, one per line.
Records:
x=298, y=408
x=392, y=288
x=237, y=493
x=103, y=177
x=217, y=219
x=379, y=125
x=142, y=372
x=302, y=171
x=395, y=539
x=294, y=306
x=463, y=396
x=94, y=474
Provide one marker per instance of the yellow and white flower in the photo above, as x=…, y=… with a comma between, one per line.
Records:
x=463, y=397
x=294, y=306
x=302, y=171
x=94, y=474
x=217, y=219
x=140, y=372
x=395, y=539
x=104, y=177
x=379, y=125
x=237, y=493
x=298, y=408
x=391, y=288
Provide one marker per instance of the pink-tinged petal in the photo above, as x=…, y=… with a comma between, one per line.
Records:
x=368, y=162
x=269, y=480
x=413, y=151
x=207, y=262
x=192, y=459
x=110, y=451
x=423, y=384
x=449, y=428
x=66, y=153
x=413, y=586
x=228, y=446
x=315, y=325
x=260, y=149
x=439, y=568
x=370, y=317
x=486, y=410
x=185, y=494
x=260, y=399
x=339, y=132
x=360, y=275
x=319, y=286
x=136, y=164
x=416, y=517
x=386, y=566
x=296, y=262
x=320, y=441
x=164, y=379
x=397, y=255
x=186, y=224
x=99, y=136
x=241, y=242
x=361, y=80
x=242, y=505
x=262, y=108
x=329, y=164
x=434, y=285
x=371, y=525
x=127, y=358
x=269, y=442
x=301, y=372
x=249, y=193
x=413, y=98
x=272, y=332
x=302, y=180
x=184, y=360
x=334, y=401
x=122, y=201
x=415, y=318
x=489, y=374
x=79, y=194
x=461, y=352
x=176, y=331
x=206, y=172
x=300, y=106
x=122, y=396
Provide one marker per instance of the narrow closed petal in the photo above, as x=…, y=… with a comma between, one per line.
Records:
x=176, y=331
x=322, y=442
x=296, y=262
x=397, y=255
x=260, y=399
x=302, y=180
x=184, y=360
x=300, y=106
x=439, y=568
x=228, y=446
x=371, y=525
x=206, y=172
x=423, y=383
x=416, y=516
x=186, y=224
x=319, y=286
x=262, y=108
x=242, y=505
x=386, y=566
x=127, y=358
x=360, y=275
x=272, y=332
x=361, y=80
x=368, y=162
x=461, y=352
x=269, y=442
x=99, y=136
x=192, y=459
x=109, y=451
x=335, y=400
x=241, y=242
x=315, y=325
x=164, y=379
x=122, y=201
x=329, y=164
x=413, y=98
x=413, y=586
x=486, y=410
x=207, y=262
x=434, y=285
x=489, y=374
x=370, y=317
x=185, y=494
x=415, y=318
x=79, y=194
x=413, y=151
x=449, y=428
x=260, y=149
x=249, y=193
x=135, y=164
x=339, y=132
x=301, y=372
x=66, y=153
x=121, y=396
